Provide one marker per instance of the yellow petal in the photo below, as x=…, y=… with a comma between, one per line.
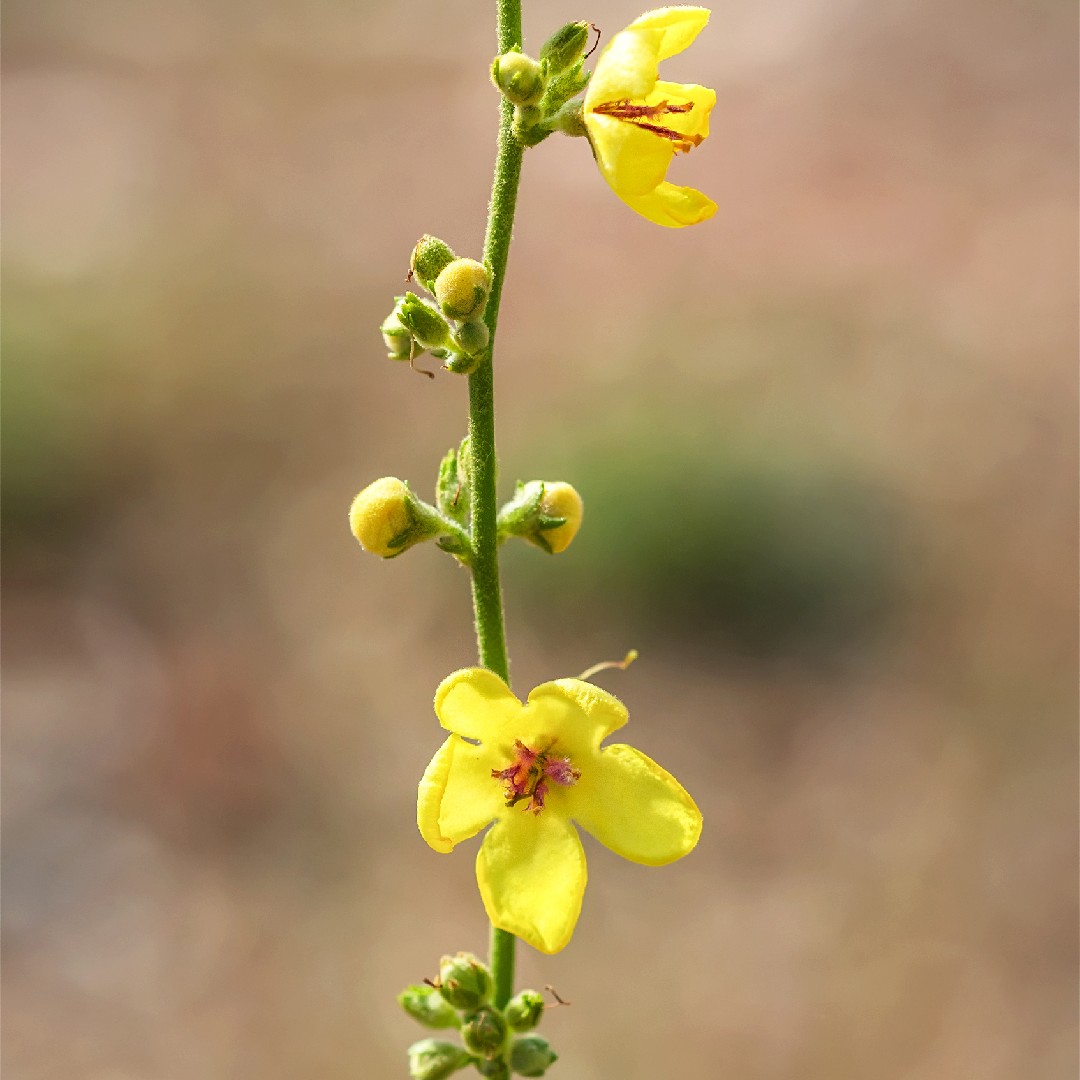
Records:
x=678, y=26
x=671, y=206
x=634, y=807
x=578, y=713
x=457, y=796
x=626, y=68
x=475, y=702
x=632, y=160
x=694, y=122
x=531, y=873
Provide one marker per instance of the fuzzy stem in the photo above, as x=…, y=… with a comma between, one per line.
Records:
x=483, y=463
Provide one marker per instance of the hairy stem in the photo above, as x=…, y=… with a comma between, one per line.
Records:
x=483, y=463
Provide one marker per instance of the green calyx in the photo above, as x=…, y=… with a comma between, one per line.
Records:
x=484, y=1032
x=435, y=1059
x=523, y=1011
x=425, y=324
x=430, y=256
x=464, y=981
x=530, y=1055
x=565, y=48
x=519, y=78
x=427, y=1006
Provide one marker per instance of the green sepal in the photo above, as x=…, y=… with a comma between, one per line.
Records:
x=565, y=48
x=495, y=1068
x=452, y=485
x=517, y=517
x=524, y=1010
x=427, y=1006
x=565, y=86
x=484, y=1032
x=530, y=1055
x=435, y=1059
x=429, y=258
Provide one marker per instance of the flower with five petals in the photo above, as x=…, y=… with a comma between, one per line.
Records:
x=535, y=769
x=637, y=123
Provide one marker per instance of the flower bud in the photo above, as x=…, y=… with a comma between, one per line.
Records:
x=531, y=1055
x=426, y=325
x=565, y=47
x=428, y=1006
x=570, y=120
x=472, y=337
x=464, y=981
x=429, y=258
x=462, y=288
x=519, y=78
x=484, y=1032
x=546, y=513
x=400, y=344
x=524, y=1010
x=387, y=518
x=433, y=1059
x=460, y=364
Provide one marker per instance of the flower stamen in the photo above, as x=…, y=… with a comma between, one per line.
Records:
x=528, y=774
x=640, y=115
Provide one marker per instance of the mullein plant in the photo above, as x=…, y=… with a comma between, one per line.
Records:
x=532, y=772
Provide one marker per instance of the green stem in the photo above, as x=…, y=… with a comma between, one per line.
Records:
x=483, y=463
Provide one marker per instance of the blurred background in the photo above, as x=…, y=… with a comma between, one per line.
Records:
x=827, y=445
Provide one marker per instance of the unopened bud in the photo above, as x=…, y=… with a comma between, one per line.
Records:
x=434, y=1059
x=484, y=1032
x=565, y=47
x=387, y=518
x=428, y=1006
x=518, y=77
x=424, y=322
x=460, y=364
x=472, y=337
x=531, y=1055
x=495, y=1068
x=398, y=338
x=524, y=1010
x=464, y=981
x=429, y=257
x=462, y=288
x=546, y=513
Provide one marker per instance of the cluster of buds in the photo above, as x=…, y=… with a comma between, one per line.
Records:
x=492, y=1039
x=387, y=518
x=541, y=89
x=452, y=326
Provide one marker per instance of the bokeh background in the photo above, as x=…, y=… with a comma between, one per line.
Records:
x=827, y=444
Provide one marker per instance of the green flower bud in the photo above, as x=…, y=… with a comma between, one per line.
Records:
x=464, y=981
x=570, y=120
x=565, y=47
x=472, y=337
x=484, y=1032
x=531, y=1055
x=460, y=364
x=519, y=78
x=492, y=1067
x=429, y=258
x=531, y=125
x=524, y=1010
x=400, y=343
x=433, y=1059
x=429, y=1007
x=426, y=325
x=462, y=288
x=387, y=518
x=546, y=513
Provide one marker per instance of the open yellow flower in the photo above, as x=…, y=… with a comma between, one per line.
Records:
x=637, y=123
x=534, y=769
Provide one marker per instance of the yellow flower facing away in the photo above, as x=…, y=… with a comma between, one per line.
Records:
x=536, y=769
x=637, y=123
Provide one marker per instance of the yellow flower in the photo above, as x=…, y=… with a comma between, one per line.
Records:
x=534, y=769
x=637, y=123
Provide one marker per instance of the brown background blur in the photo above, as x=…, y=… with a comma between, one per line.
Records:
x=828, y=451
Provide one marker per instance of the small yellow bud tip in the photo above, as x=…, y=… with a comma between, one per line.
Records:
x=379, y=514
x=562, y=501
